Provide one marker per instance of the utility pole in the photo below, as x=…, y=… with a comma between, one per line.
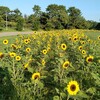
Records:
x=6, y=22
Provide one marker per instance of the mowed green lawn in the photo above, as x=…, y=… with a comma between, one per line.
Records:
x=92, y=34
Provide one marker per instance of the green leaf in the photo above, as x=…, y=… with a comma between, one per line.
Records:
x=57, y=90
x=82, y=94
x=66, y=80
x=63, y=94
x=55, y=78
x=56, y=98
x=91, y=90
x=30, y=69
x=41, y=85
x=96, y=77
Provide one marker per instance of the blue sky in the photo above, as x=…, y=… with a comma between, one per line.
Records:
x=90, y=8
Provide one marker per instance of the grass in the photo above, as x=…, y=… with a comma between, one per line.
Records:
x=92, y=34
x=13, y=30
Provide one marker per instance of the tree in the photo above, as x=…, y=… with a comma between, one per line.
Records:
x=57, y=14
x=80, y=23
x=3, y=10
x=97, y=27
x=17, y=12
x=37, y=10
x=91, y=24
x=13, y=17
x=36, y=25
x=2, y=22
x=74, y=15
x=30, y=21
x=20, y=24
x=44, y=19
x=49, y=26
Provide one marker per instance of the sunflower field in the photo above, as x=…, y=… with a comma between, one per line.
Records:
x=53, y=65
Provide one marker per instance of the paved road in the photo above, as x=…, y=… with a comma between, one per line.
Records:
x=13, y=33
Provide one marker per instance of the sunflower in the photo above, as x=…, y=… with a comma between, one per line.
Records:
x=43, y=62
x=44, y=51
x=1, y=55
x=18, y=58
x=89, y=40
x=17, y=41
x=98, y=37
x=89, y=59
x=80, y=48
x=66, y=64
x=5, y=41
x=28, y=49
x=29, y=40
x=61, y=54
x=69, y=38
x=19, y=46
x=26, y=65
x=75, y=38
x=12, y=54
x=83, y=52
x=63, y=46
x=35, y=76
x=82, y=42
x=73, y=87
x=48, y=48
x=13, y=46
x=26, y=41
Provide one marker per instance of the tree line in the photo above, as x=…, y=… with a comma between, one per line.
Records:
x=55, y=17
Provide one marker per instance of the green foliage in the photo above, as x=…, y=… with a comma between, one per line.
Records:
x=2, y=22
x=20, y=24
x=55, y=17
x=37, y=10
x=49, y=26
x=7, y=90
x=1, y=28
x=3, y=11
x=97, y=26
x=74, y=17
x=16, y=81
x=36, y=25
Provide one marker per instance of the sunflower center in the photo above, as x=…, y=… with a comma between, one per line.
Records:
x=18, y=58
x=75, y=38
x=63, y=46
x=83, y=43
x=73, y=87
x=66, y=65
x=12, y=55
x=36, y=76
x=80, y=47
x=90, y=59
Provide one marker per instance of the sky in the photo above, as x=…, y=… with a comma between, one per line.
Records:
x=90, y=8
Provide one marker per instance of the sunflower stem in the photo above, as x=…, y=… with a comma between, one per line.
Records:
x=68, y=97
x=14, y=69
